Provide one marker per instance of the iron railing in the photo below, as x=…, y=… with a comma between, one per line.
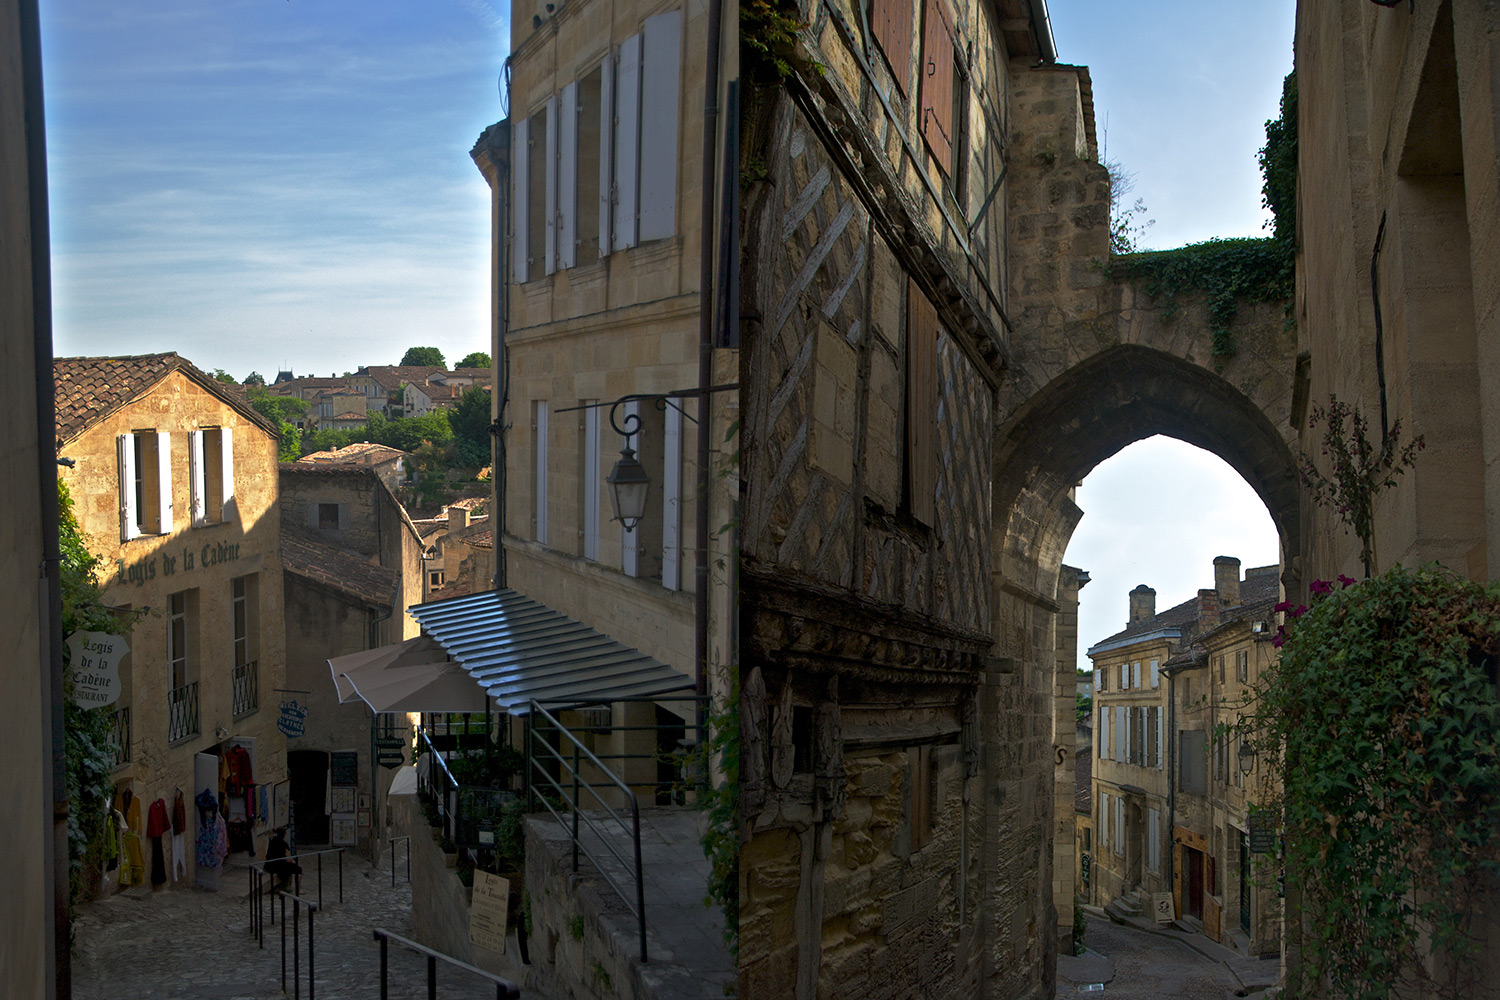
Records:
x=246, y=682
x=182, y=712
x=257, y=894
x=298, y=903
x=119, y=736
x=542, y=757
x=434, y=778
x=504, y=988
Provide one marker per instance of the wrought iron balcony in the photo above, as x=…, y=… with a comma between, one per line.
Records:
x=119, y=736
x=182, y=712
x=246, y=689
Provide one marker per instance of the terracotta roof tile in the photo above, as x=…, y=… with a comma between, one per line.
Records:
x=304, y=556
x=1260, y=587
x=89, y=389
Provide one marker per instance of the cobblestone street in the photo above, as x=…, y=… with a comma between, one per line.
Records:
x=1135, y=964
x=187, y=944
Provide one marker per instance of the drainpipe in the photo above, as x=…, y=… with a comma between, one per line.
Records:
x=1041, y=26
x=1171, y=774
x=706, y=360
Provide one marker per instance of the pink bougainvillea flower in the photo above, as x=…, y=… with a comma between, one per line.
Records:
x=1283, y=606
x=1298, y=611
x=1279, y=637
x=1321, y=587
x=1347, y=581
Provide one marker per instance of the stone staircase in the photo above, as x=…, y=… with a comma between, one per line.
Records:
x=1126, y=907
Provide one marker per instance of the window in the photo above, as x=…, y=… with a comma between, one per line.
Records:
x=177, y=634
x=1135, y=674
x=591, y=196
x=145, y=483
x=1122, y=734
x=328, y=517
x=1104, y=732
x=1221, y=668
x=240, y=618
x=921, y=404
x=1153, y=736
x=1103, y=820
x=1153, y=840
x=1221, y=759
x=435, y=579
x=1119, y=825
x=1103, y=675
x=1242, y=665
x=1155, y=673
x=589, y=481
x=1192, y=764
x=1124, y=677
x=182, y=654
x=244, y=602
x=211, y=474
x=890, y=23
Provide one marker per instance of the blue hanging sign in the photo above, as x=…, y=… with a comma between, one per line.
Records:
x=293, y=721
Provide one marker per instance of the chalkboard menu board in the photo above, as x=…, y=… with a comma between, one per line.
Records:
x=344, y=765
x=1262, y=833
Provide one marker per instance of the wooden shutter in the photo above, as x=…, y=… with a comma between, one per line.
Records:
x=520, y=199
x=549, y=210
x=937, y=82
x=671, y=499
x=890, y=22
x=627, y=151
x=606, y=150
x=921, y=403
x=227, y=510
x=661, y=58
x=197, y=478
x=567, y=178
x=164, y=479
x=129, y=520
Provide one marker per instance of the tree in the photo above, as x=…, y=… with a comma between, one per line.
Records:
x=223, y=376
x=255, y=378
x=408, y=434
x=478, y=359
x=284, y=411
x=470, y=420
x=426, y=356
x=1126, y=229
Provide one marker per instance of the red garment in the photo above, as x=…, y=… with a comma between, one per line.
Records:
x=156, y=819
x=239, y=778
x=179, y=816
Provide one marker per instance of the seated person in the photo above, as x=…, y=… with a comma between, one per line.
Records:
x=276, y=859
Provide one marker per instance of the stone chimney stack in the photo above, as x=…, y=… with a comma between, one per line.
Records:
x=1227, y=580
x=1208, y=610
x=458, y=518
x=1142, y=604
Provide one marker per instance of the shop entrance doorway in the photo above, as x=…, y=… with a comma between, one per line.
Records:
x=1192, y=890
x=308, y=774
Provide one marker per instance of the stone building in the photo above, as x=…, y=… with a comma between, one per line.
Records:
x=353, y=565
x=390, y=464
x=173, y=478
x=1170, y=797
x=901, y=683
x=1398, y=281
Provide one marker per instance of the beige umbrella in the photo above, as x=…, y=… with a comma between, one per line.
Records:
x=410, y=676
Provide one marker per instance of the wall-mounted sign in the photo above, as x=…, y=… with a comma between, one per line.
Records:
x=487, y=911
x=390, y=751
x=1262, y=833
x=95, y=658
x=293, y=721
x=344, y=768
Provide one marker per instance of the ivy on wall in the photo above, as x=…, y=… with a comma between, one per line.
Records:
x=1231, y=271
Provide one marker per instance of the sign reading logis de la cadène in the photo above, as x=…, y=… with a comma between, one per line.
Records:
x=95, y=659
x=166, y=564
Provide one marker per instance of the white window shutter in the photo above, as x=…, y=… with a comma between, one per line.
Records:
x=549, y=208
x=1104, y=745
x=541, y=472
x=226, y=454
x=591, y=422
x=567, y=178
x=164, y=478
x=630, y=541
x=660, y=90
x=129, y=517
x=1155, y=673
x=606, y=150
x=1121, y=731
x=627, y=151
x=671, y=499
x=520, y=199
x=1119, y=825
x=197, y=479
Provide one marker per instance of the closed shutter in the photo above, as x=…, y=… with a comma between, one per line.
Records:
x=921, y=404
x=1122, y=744
x=197, y=478
x=567, y=178
x=129, y=517
x=1155, y=673
x=549, y=210
x=627, y=147
x=606, y=150
x=227, y=509
x=164, y=478
x=937, y=82
x=660, y=85
x=520, y=199
x=591, y=427
x=1119, y=825
x=671, y=499
x=1103, y=733
x=890, y=22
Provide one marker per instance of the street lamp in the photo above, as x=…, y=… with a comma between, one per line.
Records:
x=1247, y=757
x=628, y=484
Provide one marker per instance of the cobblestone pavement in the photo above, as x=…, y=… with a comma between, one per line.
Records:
x=187, y=944
x=1151, y=967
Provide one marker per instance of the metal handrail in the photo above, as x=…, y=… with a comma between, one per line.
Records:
x=407, y=838
x=298, y=901
x=245, y=688
x=504, y=988
x=258, y=881
x=438, y=766
x=633, y=831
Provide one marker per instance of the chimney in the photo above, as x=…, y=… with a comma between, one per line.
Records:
x=458, y=518
x=1142, y=604
x=1208, y=610
x=1227, y=580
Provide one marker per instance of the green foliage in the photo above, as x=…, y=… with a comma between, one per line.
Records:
x=470, y=422
x=428, y=356
x=490, y=766
x=768, y=34
x=408, y=433
x=1229, y=271
x=1359, y=473
x=284, y=410
x=1085, y=707
x=255, y=378
x=721, y=841
x=1278, y=165
x=223, y=376
x=88, y=754
x=1126, y=228
x=477, y=359
x=601, y=975
x=1382, y=721
x=1080, y=928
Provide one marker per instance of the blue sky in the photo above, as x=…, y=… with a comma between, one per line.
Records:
x=266, y=183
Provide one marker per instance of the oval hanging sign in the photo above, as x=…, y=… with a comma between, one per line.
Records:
x=95, y=667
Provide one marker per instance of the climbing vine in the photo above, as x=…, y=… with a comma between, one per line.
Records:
x=1382, y=722
x=1231, y=271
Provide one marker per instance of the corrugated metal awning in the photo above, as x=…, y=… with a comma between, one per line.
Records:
x=519, y=650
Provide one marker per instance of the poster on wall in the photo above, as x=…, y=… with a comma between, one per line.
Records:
x=342, y=826
x=281, y=804
x=341, y=800
x=487, y=911
x=343, y=768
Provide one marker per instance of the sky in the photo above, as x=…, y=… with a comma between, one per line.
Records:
x=259, y=184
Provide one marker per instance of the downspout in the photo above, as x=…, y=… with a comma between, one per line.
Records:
x=1041, y=26
x=705, y=361
x=1171, y=774
x=49, y=583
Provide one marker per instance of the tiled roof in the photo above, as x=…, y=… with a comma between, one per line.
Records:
x=1083, y=776
x=483, y=374
x=1260, y=587
x=89, y=389
x=470, y=503
x=360, y=453
x=351, y=415
x=390, y=377
x=304, y=556
x=480, y=540
x=324, y=469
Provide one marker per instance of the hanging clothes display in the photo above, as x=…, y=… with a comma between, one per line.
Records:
x=133, y=867
x=157, y=824
x=179, y=838
x=239, y=777
x=206, y=841
x=240, y=837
